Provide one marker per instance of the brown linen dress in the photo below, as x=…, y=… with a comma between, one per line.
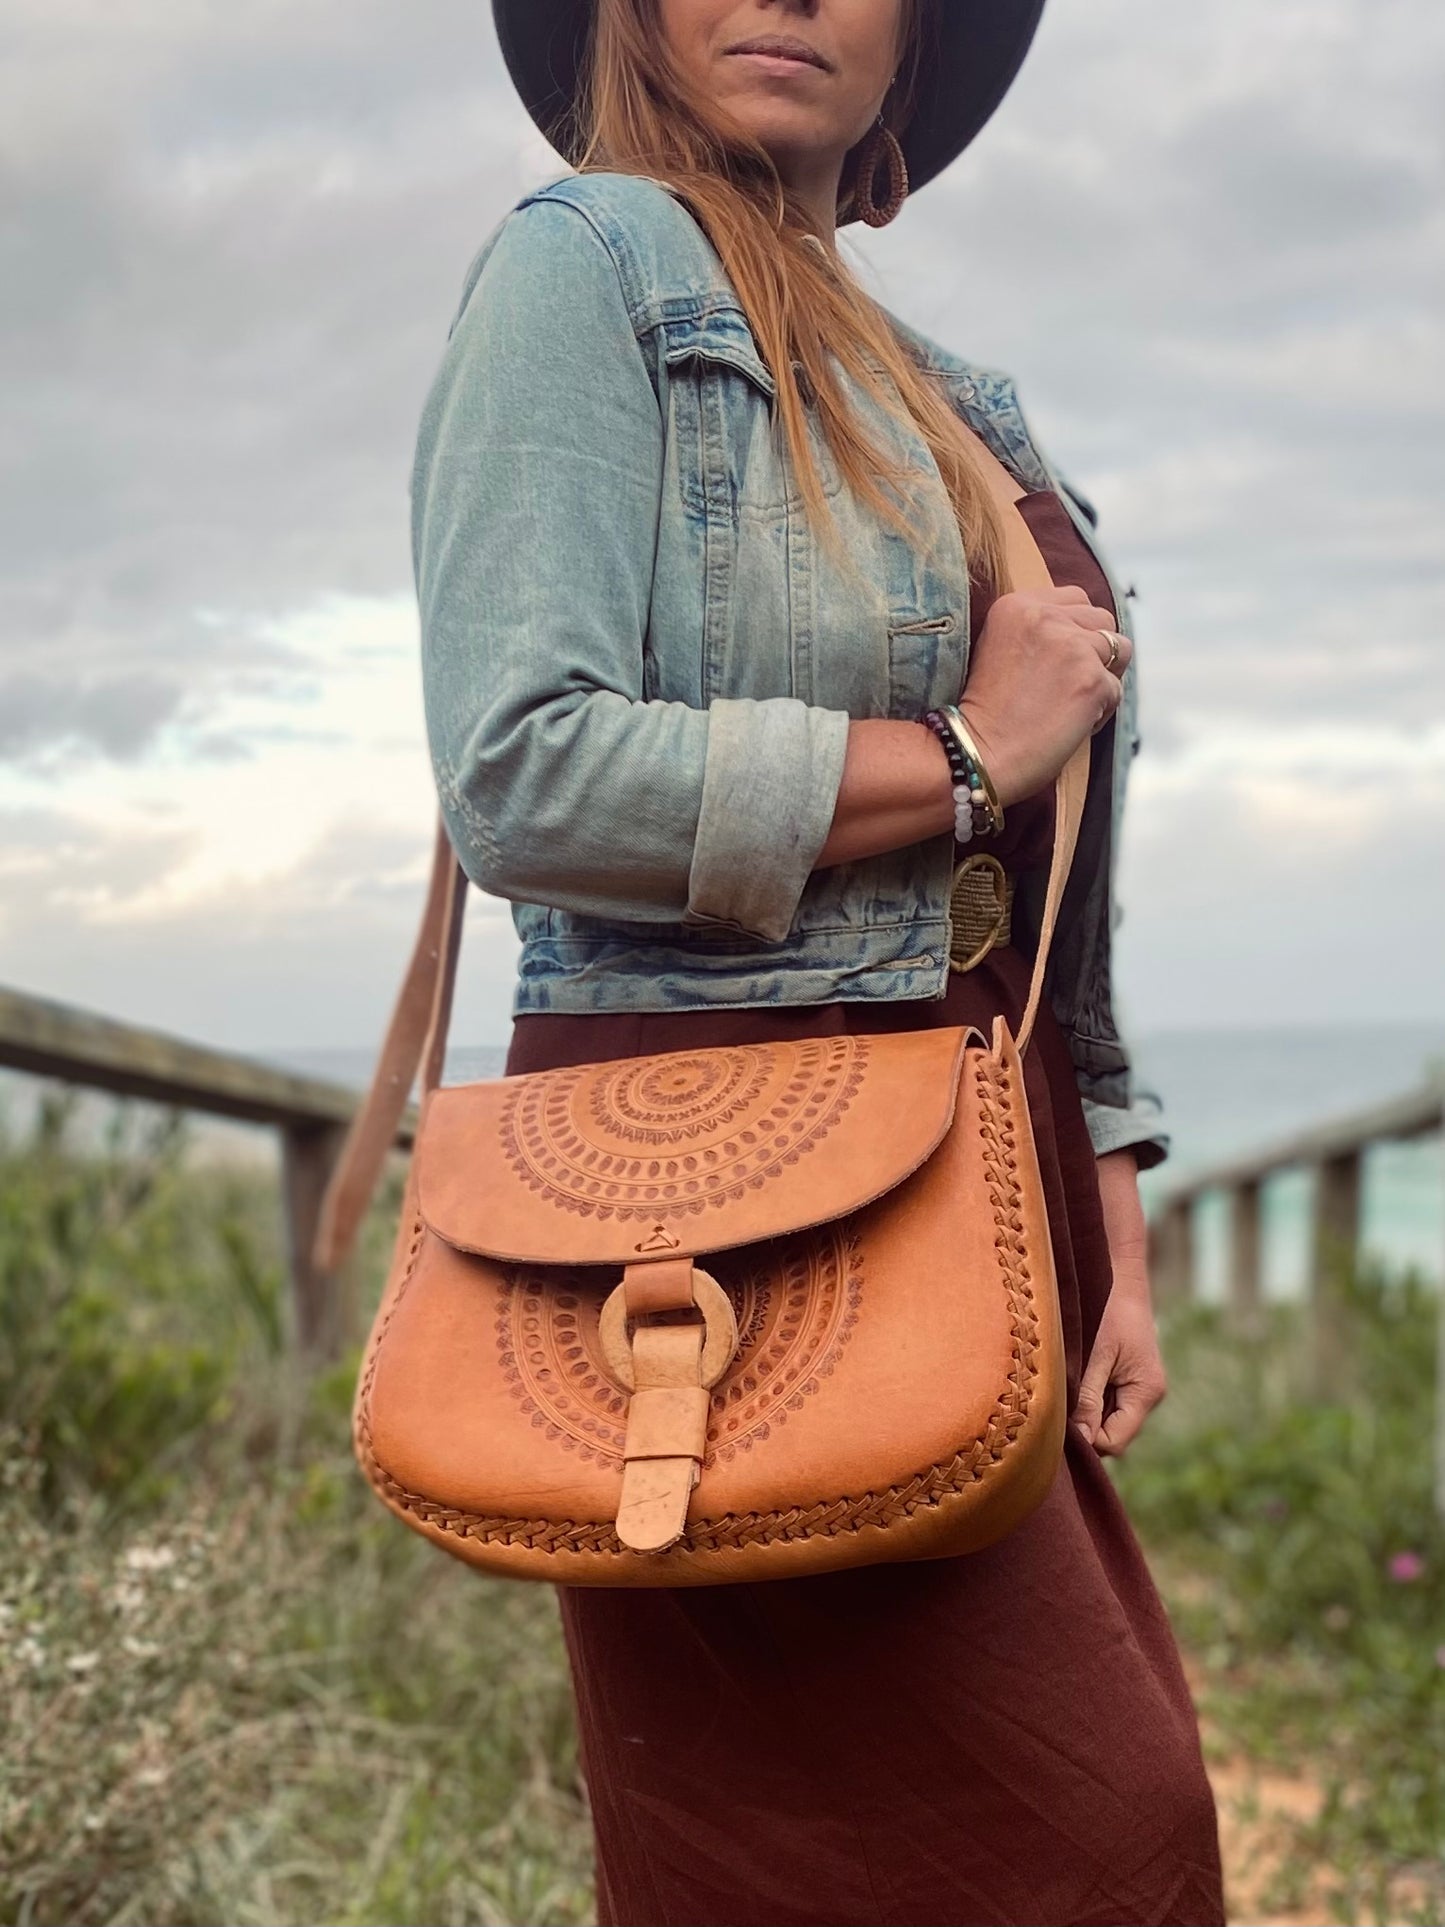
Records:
x=1000, y=1740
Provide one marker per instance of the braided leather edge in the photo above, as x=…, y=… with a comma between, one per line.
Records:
x=828, y=1517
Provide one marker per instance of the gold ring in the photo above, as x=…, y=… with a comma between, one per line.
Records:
x=1114, y=640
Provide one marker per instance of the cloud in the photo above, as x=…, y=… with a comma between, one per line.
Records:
x=259, y=881
x=308, y=956
x=119, y=717
x=1211, y=243
x=1295, y=901
x=226, y=290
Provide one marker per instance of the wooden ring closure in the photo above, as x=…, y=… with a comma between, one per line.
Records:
x=720, y=1325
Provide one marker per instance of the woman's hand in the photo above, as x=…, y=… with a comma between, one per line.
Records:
x=1040, y=680
x=1124, y=1379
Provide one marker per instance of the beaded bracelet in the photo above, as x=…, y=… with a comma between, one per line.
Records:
x=976, y=807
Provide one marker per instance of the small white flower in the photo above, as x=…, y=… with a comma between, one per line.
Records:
x=93, y=1822
x=151, y=1776
x=127, y=1597
x=139, y=1648
x=150, y=1558
x=30, y=1651
x=82, y=1662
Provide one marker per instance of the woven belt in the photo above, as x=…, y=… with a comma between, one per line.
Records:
x=980, y=908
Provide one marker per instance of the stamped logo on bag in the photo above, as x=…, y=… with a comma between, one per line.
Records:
x=660, y=1239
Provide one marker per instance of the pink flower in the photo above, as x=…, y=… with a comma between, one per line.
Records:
x=1406, y=1567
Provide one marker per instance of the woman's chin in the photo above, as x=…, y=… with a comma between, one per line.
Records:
x=786, y=127
x=794, y=145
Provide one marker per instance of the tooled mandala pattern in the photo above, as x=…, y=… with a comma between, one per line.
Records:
x=932, y=1486
x=797, y=1303
x=671, y=1135
x=661, y=1099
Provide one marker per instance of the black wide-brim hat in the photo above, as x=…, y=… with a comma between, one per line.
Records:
x=979, y=48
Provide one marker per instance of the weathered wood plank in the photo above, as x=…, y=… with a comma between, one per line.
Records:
x=320, y=1300
x=1335, y=1246
x=1171, y=1251
x=1245, y=1253
x=1440, y=1373
x=1414, y=1115
x=75, y=1046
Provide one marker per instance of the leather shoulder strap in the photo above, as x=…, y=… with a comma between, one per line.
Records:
x=1028, y=570
x=417, y=1033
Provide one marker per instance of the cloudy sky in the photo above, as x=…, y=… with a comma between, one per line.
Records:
x=1208, y=241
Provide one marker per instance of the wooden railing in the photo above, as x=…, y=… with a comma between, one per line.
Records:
x=1335, y=1153
x=75, y=1047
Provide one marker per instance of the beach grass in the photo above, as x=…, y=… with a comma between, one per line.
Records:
x=1298, y=1547
x=232, y=1690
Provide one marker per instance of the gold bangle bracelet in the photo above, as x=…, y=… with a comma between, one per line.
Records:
x=970, y=749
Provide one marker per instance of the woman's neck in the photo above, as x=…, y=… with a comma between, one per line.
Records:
x=813, y=181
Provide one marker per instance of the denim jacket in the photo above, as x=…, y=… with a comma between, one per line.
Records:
x=640, y=660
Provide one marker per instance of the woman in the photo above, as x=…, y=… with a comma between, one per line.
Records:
x=701, y=534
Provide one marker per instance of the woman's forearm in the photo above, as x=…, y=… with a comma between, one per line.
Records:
x=896, y=790
x=1124, y=1221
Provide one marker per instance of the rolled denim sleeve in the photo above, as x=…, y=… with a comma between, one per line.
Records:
x=1135, y=1126
x=782, y=759
x=535, y=506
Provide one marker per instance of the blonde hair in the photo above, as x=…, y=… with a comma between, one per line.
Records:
x=637, y=114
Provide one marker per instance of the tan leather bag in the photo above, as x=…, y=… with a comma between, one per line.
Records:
x=730, y=1314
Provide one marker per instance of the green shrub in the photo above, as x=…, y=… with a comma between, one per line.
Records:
x=1304, y=1558
x=231, y=1688
x=119, y=1300
x=271, y=1704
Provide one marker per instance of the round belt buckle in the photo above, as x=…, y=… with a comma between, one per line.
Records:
x=979, y=906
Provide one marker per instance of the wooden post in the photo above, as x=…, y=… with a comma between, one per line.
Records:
x=1336, y=1246
x=1171, y=1251
x=308, y=1153
x=1440, y=1356
x=1244, y=1253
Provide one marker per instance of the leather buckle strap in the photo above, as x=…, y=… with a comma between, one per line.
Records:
x=670, y=1369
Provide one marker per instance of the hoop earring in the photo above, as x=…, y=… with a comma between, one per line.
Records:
x=879, y=147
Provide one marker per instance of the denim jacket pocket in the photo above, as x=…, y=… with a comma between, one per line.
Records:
x=919, y=653
x=722, y=399
x=735, y=539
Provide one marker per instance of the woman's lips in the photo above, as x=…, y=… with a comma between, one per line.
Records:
x=778, y=66
x=780, y=56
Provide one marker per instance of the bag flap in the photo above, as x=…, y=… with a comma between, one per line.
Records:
x=690, y=1152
